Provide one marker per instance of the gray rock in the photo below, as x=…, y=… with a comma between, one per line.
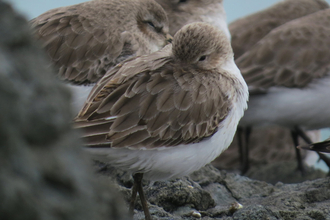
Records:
x=178, y=199
x=43, y=171
x=285, y=172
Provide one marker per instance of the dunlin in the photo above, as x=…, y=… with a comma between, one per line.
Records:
x=85, y=40
x=288, y=73
x=167, y=114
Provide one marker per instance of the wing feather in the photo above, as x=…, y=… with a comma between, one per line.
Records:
x=289, y=55
x=81, y=47
x=154, y=107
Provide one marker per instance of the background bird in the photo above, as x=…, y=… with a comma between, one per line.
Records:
x=246, y=32
x=182, y=12
x=85, y=40
x=167, y=114
x=323, y=146
x=290, y=66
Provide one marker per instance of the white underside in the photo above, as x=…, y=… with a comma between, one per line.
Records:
x=307, y=107
x=79, y=96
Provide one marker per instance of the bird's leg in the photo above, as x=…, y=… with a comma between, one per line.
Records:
x=138, y=180
x=294, y=135
x=133, y=199
x=309, y=141
x=244, y=134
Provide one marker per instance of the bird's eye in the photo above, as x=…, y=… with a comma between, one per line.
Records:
x=158, y=29
x=182, y=1
x=202, y=58
x=151, y=24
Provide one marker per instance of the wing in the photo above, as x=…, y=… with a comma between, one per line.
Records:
x=291, y=55
x=323, y=146
x=80, y=46
x=164, y=106
x=247, y=31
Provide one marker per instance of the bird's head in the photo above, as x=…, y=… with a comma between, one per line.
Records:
x=202, y=45
x=153, y=23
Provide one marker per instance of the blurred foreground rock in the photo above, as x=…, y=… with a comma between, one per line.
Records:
x=43, y=172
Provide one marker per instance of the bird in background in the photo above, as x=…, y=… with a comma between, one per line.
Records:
x=86, y=40
x=182, y=12
x=288, y=76
x=323, y=146
x=167, y=114
x=249, y=34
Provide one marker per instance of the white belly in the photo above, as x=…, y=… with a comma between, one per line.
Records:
x=306, y=107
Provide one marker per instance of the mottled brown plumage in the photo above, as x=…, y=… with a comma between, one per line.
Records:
x=291, y=55
x=167, y=114
x=168, y=98
x=247, y=31
x=85, y=40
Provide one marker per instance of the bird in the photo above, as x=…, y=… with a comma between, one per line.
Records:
x=248, y=31
x=323, y=146
x=85, y=40
x=167, y=114
x=287, y=72
x=184, y=12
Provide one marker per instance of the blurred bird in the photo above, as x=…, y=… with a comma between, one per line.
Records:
x=167, y=114
x=323, y=146
x=288, y=76
x=182, y=12
x=246, y=32
x=85, y=40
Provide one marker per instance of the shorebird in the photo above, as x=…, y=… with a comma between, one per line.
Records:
x=167, y=114
x=288, y=76
x=85, y=40
x=184, y=12
x=248, y=31
x=323, y=146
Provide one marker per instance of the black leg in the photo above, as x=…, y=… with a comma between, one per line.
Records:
x=138, y=180
x=240, y=132
x=244, y=134
x=294, y=135
x=133, y=199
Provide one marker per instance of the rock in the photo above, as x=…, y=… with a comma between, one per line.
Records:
x=285, y=172
x=44, y=173
x=177, y=199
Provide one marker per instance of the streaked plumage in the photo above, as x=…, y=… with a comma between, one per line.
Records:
x=181, y=13
x=85, y=40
